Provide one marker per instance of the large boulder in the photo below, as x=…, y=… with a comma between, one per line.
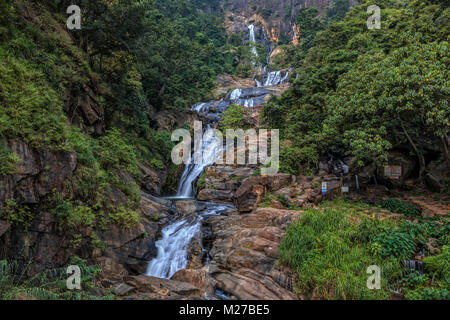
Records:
x=199, y=278
x=215, y=195
x=253, y=188
x=152, y=284
x=245, y=252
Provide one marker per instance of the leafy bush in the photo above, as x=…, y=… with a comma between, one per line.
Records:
x=46, y=285
x=233, y=118
x=398, y=206
x=393, y=243
x=201, y=182
x=124, y=217
x=17, y=214
x=117, y=153
x=295, y=160
x=439, y=265
x=8, y=161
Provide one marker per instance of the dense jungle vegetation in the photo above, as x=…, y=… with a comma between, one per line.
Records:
x=363, y=92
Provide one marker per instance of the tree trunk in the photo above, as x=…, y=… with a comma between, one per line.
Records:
x=422, y=164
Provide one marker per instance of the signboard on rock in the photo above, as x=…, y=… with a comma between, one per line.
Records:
x=393, y=172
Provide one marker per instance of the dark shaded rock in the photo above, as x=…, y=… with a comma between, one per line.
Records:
x=4, y=227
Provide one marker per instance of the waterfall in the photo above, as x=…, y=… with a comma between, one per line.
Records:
x=172, y=248
x=357, y=181
x=273, y=78
x=251, y=29
x=176, y=238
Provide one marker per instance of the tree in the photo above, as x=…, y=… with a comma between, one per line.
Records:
x=386, y=100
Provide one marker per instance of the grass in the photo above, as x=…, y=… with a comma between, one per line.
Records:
x=331, y=248
x=46, y=285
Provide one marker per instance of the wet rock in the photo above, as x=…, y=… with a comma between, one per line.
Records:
x=111, y=270
x=186, y=207
x=245, y=251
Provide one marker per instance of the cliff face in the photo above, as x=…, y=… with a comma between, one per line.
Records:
x=277, y=17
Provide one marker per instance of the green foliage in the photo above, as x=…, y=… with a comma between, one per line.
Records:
x=296, y=160
x=330, y=257
x=398, y=206
x=116, y=153
x=393, y=243
x=201, y=182
x=439, y=265
x=17, y=214
x=8, y=160
x=361, y=92
x=233, y=118
x=46, y=285
x=125, y=218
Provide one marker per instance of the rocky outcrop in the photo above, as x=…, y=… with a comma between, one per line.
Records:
x=221, y=182
x=276, y=17
x=38, y=173
x=253, y=188
x=244, y=254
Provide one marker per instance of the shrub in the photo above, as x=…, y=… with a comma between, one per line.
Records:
x=17, y=214
x=8, y=161
x=80, y=216
x=201, y=182
x=233, y=118
x=124, y=217
x=393, y=243
x=117, y=153
x=439, y=265
x=398, y=206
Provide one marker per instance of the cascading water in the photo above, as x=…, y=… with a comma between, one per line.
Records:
x=176, y=238
x=252, y=37
x=208, y=152
x=172, y=248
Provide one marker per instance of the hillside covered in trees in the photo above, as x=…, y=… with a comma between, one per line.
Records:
x=86, y=122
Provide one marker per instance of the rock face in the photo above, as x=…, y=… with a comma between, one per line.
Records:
x=276, y=17
x=252, y=189
x=38, y=173
x=244, y=254
x=48, y=247
x=221, y=182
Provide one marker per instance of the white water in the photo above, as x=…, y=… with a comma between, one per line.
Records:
x=209, y=152
x=176, y=238
x=251, y=29
x=172, y=248
x=274, y=78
